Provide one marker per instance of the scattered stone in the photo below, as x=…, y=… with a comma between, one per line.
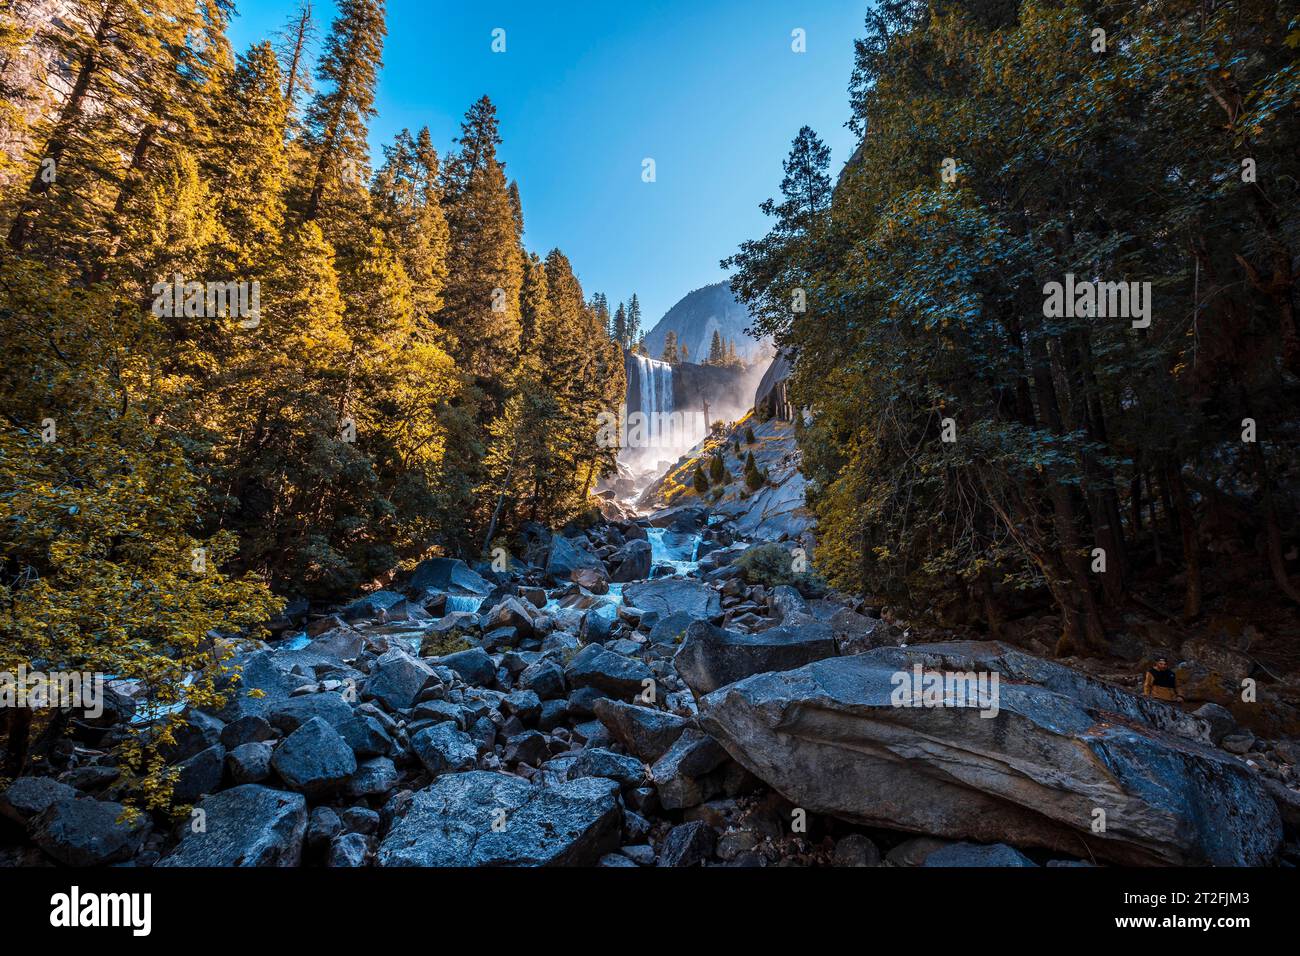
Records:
x=688, y=844
x=444, y=749
x=28, y=796
x=643, y=731
x=473, y=665
x=492, y=819
x=251, y=762
x=856, y=850
x=348, y=850
x=200, y=774
x=375, y=777
x=613, y=673
x=314, y=759
x=974, y=854
x=397, y=680
x=83, y=831
x=598, y=762
x=711, y=657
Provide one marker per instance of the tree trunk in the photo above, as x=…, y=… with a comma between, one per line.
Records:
x=1191, y=544
x=19, y=731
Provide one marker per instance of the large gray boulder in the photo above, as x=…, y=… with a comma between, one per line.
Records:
x=493, y=819
x=446, y=574
x=28, y=796
x=593, y=666
x=567, y=555
x=397, y=680
x=643, y=731
x=244, y=826
x=837, y=737
x=632, y=561
x=314, y=759
x=442, y=748
x=668, y=596
x=83, y=831
x=712, y=657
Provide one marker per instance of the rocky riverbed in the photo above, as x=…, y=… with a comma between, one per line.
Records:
x=629, y=694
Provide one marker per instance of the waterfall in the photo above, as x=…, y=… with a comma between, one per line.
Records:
x=655, y=399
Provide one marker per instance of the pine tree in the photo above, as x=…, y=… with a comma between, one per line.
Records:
x=337, y=118
x=633, y=320
x=754, y=479
x=700, y=481
x=670, y=348
x=485, y=261
x=717, y=354
x=717, y=470
x=407, y=196
x=293, y=45
x=620, y=325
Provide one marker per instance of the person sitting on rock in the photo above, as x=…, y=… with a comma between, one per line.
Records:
x=1160, y=682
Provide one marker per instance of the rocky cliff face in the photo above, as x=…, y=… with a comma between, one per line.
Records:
x=697, y=316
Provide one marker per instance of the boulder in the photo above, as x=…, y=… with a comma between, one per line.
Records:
x=375, y=777
x=373, y=605
x=1028, y=764
x=248, y=825
x=688, y=844
x=200, y=774
x=599, y=762
x=643, y=731
x=251, y=762
x=28, y=796
x=973, y=854
x=397, y=679
x=567, y=555
x=632, y=561
x=545, y=678
x=595, y=580
x=446, y=574
x=856, y=850
x=444, y=749
x=492, y=819
x=711, y=657
x=593, y=666
x=671, y=630
x=682, y=775
x=83, y=831
x=511, y=613
x=473, y=665
x=667, y=596
x=348, y=850
x=314, y=759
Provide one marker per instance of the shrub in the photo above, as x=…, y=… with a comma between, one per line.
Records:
x=749, y=435
x=717, y=470
x=754, y=479
x=701, y=480
x=771, y=565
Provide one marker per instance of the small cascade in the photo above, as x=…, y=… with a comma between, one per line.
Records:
x=463, y=602
x=669, y=548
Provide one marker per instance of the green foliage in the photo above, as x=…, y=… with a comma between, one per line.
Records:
x=925, y=293
x=717, y=470
x=754, y=478
x=700, y=480
x=409, y=382
x=770, y=565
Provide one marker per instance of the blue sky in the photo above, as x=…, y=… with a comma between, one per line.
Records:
x=710, y=89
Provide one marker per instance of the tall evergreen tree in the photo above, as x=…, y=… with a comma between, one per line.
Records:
x=337, y=118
